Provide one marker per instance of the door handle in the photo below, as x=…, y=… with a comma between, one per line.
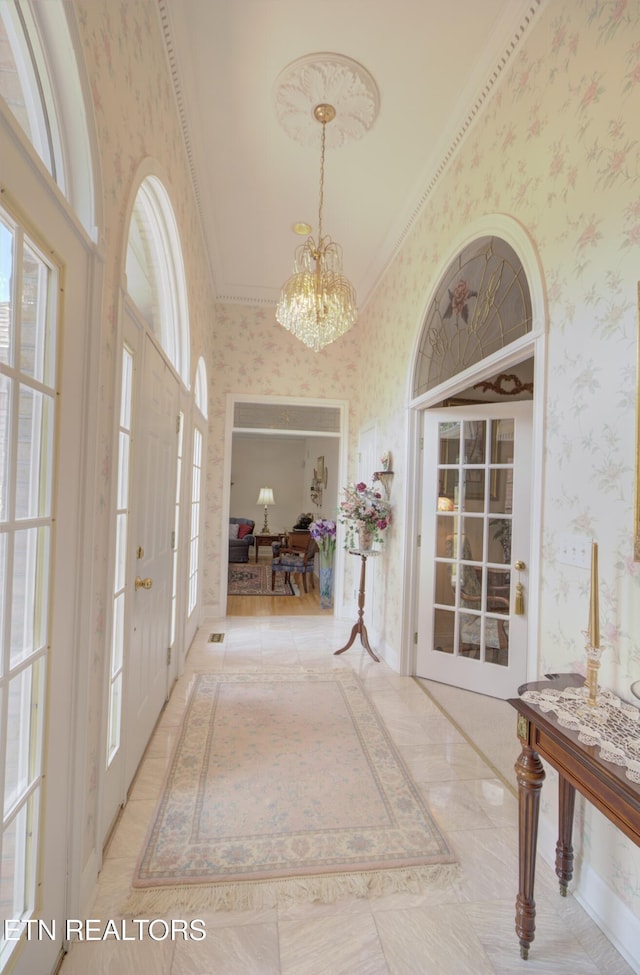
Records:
x=518, y=608
x=143, y=583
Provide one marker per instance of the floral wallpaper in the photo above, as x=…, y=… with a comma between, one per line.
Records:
x=556, y=149
x=136, y=121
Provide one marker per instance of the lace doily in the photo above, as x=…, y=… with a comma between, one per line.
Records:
x=612, y=724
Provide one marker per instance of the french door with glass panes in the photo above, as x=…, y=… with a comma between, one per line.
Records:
x=32, y=865
x=145, y=563
x=472, y=629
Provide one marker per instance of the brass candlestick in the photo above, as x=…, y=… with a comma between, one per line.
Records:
x=593, y=636
x=593, y=666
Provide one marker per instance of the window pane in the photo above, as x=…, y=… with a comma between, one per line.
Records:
x=6, y=311
x=115, y=711
x=443, y=625
x=20, y=84
x=197, y=448
x=5, y=444
x=445, y=584
x=498, y=592
x=500, y=540
x=195, y=485
x=17, y=868
x=472, y=539
x=125, y=396
x=35, y=453
x=29, y=602
x=36, y=342
x=11, y=78
x=24, y=734
x=503, y=441
x=123, y=471
x=475, y=434
x=121, y=551
x=118, y=634
x=4, y=584
x=469, y=636
x=449, y=443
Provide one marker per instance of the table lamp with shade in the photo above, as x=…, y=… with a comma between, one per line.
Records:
x=266, y=498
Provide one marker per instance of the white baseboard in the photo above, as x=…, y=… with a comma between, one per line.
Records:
x=616, y=921
x=390, y=656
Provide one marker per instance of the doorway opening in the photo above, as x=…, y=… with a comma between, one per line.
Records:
x=297, y=448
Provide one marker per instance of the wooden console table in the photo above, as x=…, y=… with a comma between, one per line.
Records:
x=579, y=767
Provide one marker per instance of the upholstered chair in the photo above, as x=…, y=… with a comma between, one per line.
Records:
x=297, y=555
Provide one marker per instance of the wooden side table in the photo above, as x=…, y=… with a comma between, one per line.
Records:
x=358, y=627
x=580, y=768
x=263, y=539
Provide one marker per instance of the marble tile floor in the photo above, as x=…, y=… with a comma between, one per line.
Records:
x=466, y=928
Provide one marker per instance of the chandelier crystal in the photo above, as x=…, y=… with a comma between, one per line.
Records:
x=318, y=304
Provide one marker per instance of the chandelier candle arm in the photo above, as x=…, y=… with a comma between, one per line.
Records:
x=318, y=304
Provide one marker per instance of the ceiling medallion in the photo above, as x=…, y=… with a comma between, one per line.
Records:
x=325, y=78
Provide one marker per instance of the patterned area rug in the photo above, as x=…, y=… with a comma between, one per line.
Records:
x=254, y=579
x=285, y=787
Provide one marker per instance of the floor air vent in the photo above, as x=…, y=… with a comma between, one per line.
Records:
x=216, y=637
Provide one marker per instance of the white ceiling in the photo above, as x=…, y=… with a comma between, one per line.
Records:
x=434, y=61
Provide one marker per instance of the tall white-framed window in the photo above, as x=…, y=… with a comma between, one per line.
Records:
x=28, y=344
x=120, y=569
x=194, y=533
x=176, y=531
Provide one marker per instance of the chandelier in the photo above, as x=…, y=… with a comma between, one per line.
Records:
x=318, y=304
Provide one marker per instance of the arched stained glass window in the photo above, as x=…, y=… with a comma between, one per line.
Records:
x=155, y=272
x=481, y=305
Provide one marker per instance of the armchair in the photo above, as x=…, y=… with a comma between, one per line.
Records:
x=297, y=555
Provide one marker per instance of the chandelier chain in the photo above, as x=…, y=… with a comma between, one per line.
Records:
x=321, y=203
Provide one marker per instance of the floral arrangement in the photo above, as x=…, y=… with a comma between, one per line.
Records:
x=362, y=508
x=324, y=532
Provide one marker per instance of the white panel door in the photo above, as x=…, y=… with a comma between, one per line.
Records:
x=475, y=529
x=152, y=526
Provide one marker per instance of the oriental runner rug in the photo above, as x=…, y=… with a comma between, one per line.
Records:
x=254, y=579
x=284, y=787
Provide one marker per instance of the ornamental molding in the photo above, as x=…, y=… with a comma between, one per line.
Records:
x=324, y=77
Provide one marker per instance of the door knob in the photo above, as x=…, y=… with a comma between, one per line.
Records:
x=519, y=565
x=143, y=583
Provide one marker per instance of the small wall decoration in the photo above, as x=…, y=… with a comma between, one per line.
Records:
x=320, y=478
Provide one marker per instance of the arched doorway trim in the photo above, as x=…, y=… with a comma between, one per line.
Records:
x=531, y=344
